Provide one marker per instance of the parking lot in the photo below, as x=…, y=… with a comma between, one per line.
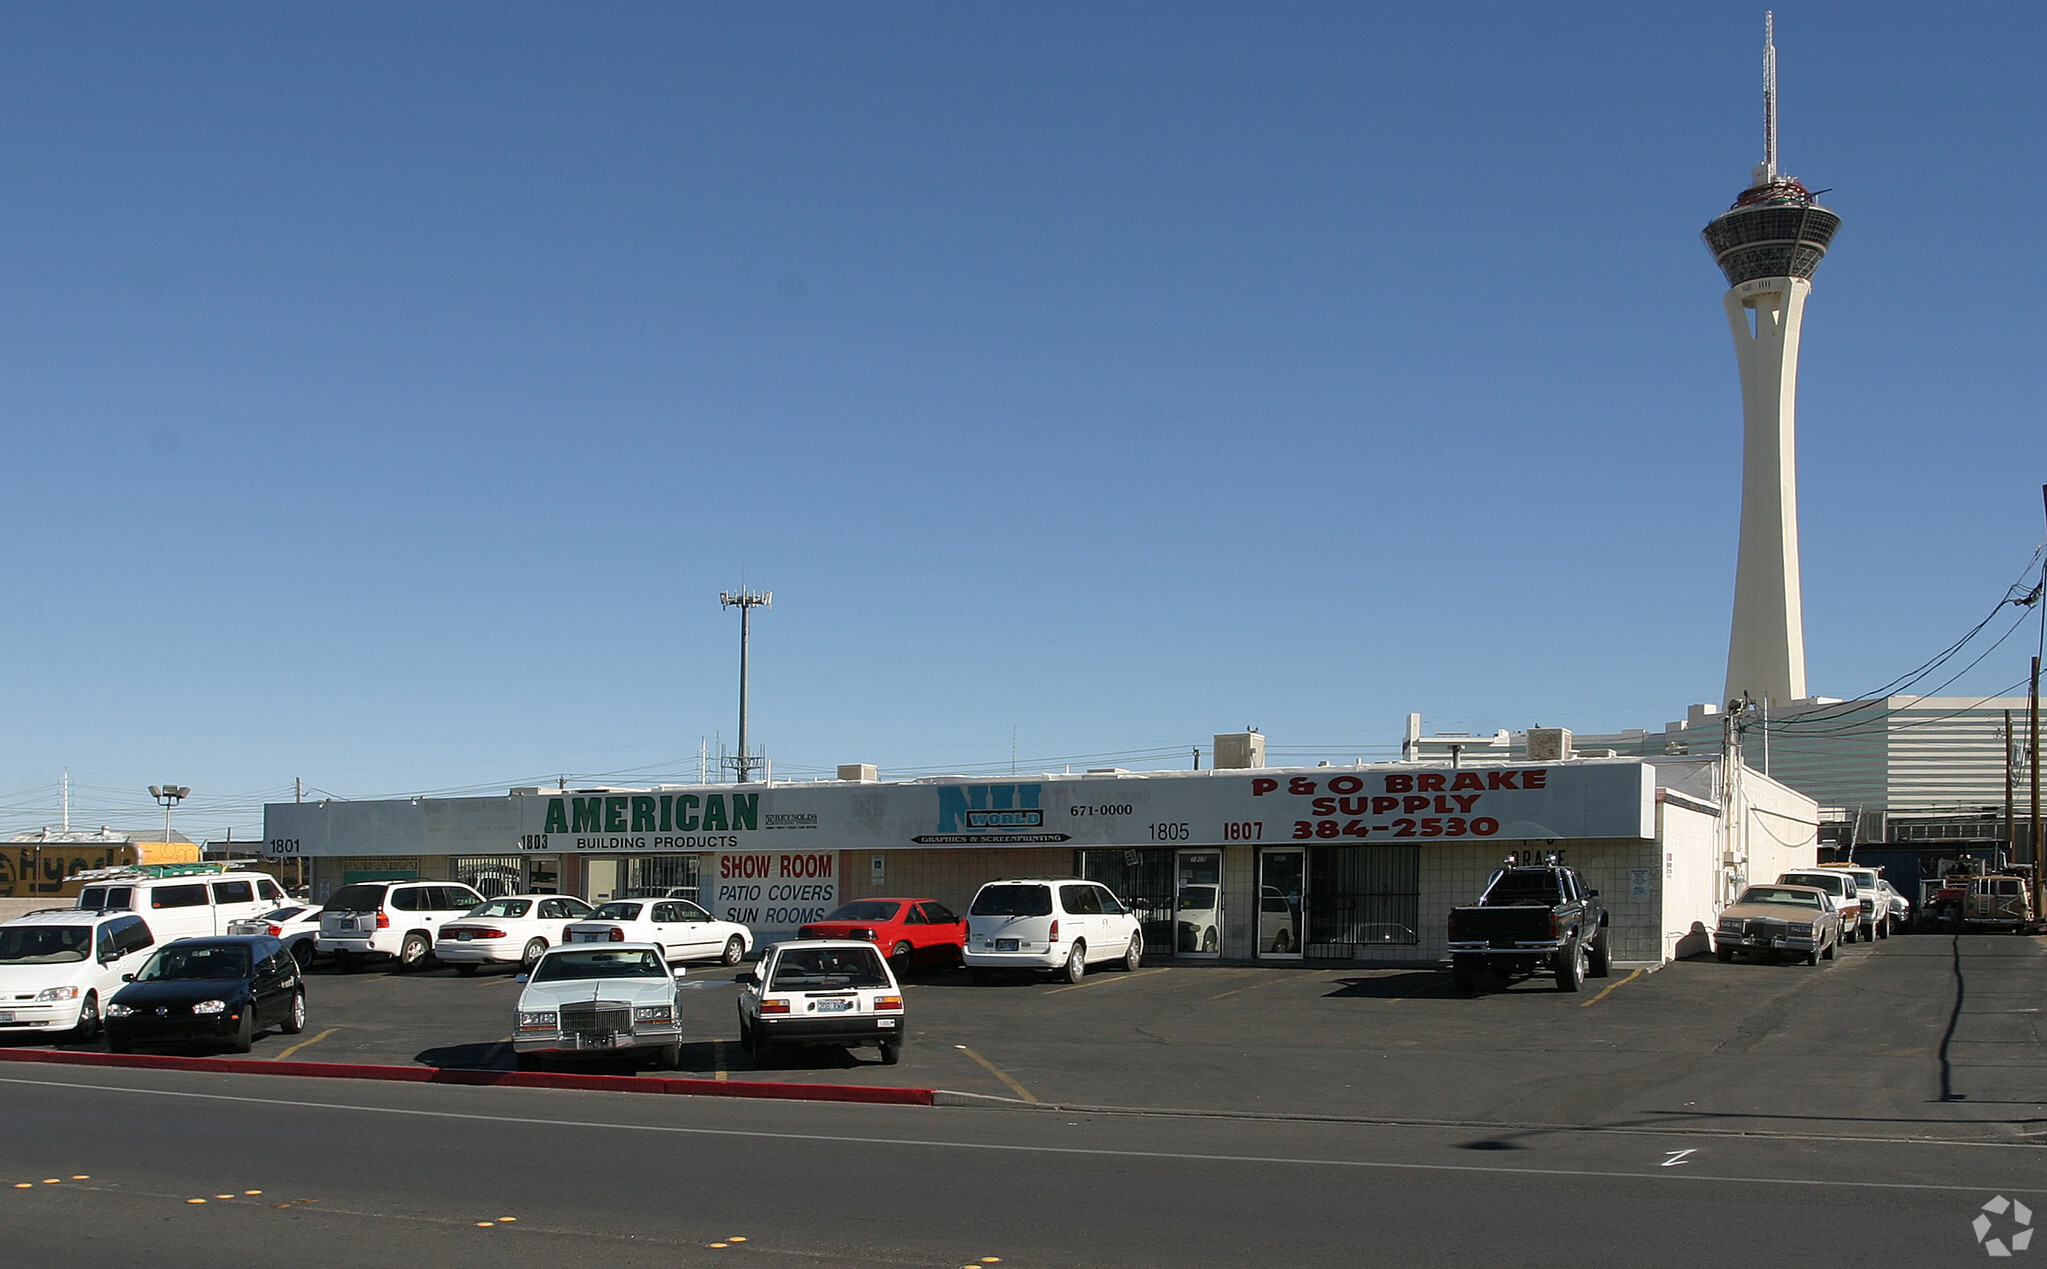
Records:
x=1938, y=1033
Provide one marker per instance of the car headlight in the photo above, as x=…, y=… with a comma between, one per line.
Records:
x=210, y=1006
x=119, y=1011
x=538, y=1019
x=653, y=1013
x=57, y=993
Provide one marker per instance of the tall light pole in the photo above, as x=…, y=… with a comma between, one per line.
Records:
x=168, y=796
x=745, y=601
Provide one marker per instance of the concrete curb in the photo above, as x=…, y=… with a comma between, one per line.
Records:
x=887, y=1096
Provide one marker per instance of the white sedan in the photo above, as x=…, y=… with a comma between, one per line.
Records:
x=684, y=931
x=610, y=1000
x=513, y=930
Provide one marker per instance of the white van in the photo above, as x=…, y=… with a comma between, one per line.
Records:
x=181, y=901
x=1049, y=923
x=58, y=968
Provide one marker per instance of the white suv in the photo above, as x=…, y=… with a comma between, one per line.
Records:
x=1049, y=923
x=400, y=919
x=58, y=968
x=1876, y=907
x=181, y=900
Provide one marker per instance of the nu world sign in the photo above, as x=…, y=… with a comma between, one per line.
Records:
x=990, y=814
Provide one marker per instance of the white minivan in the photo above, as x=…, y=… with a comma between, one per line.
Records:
x=1062, y=924
x=59, y=966
x=181, y=901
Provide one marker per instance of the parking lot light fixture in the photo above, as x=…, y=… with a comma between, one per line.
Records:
x=168, y=796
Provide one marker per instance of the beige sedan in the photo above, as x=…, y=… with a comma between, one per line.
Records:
x=1780, y=920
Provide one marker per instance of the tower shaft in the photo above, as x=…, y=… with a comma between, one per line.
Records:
x=1766, y=648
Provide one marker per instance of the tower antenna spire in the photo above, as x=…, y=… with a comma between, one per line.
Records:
x=1768, y=171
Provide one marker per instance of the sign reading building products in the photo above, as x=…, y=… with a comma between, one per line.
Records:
x=1339, y=805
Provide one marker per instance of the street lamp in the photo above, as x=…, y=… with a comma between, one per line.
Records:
x=168, y=796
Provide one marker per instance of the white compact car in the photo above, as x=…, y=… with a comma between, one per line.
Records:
x=598, y=1000
x=398, y=919
x=684, y=931
x=59, y=968
x=1061, y=924
x=821, y=991
x=296, y=925
x=513, y=930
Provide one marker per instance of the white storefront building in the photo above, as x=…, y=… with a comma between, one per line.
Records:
x=1352, y=863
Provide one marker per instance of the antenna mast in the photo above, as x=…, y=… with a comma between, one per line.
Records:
x=1768, y=172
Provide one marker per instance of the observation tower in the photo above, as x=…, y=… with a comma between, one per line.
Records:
x=1768, y=245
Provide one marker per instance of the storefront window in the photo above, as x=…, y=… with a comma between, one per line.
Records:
x=1361, y=896
x=1138, y=876
x=662, y=876
x=492, y=875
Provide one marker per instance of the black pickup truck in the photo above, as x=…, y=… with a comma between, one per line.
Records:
x=1531, y=919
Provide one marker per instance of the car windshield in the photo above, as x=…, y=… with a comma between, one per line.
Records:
x=567, y=963
x=356, y=898
x=1539, y=887
x=201, y=961
x=1832, y=885
x=1019, y=901
x=1783, y=898
x=865, y=910
x=284, y=914
x=44, y=944
x=502, y=908
x=617, y=912
x=810, y=968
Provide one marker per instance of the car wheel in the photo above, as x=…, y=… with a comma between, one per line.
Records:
x=735, y=948
x=1463, y=975
x=412, y=952
x=668, y=1057
x=465, y=969
x=1725, y=954
x=891, y=1052
x=1599, y=963
x=1848, y=934
x=1827, y=952
x=303, y=952
x=1883, y=928
x=1133, y=956
x=295, y=1021
x=1076, y=963
x=245, y=1035
x=982, y=977
x=88, y=1019
x=1571, y=967
x=1283, y=942
x=899, y=959
x=534, y=950
x=1813, y=957
x=1208, y=940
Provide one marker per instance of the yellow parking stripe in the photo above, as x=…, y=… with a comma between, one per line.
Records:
x=1276, y=978
x=998, y=1073
x=1091, y=980
x=1611, y=987
x=303, y=1043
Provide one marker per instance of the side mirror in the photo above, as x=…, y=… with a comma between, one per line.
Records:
x=747, y=978
x=520, y=978
x=127, y=978
x=1593, y=893
x=679, y=972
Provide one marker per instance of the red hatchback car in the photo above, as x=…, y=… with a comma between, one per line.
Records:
x=911, y=931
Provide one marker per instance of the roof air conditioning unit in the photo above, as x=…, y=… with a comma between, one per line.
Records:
x=1549, y=744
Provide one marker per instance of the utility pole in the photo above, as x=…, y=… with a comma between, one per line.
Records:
x=745, y=601
x=2033, y=753
x=2011, y=753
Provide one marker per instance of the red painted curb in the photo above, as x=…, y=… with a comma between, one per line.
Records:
x=887, y=1096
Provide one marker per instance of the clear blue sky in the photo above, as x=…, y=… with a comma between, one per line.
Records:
x=389, y=390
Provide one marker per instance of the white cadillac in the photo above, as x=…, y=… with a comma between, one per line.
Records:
x=684, y=931
x=605, y=1000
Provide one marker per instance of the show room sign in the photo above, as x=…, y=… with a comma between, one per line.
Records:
x=771, y=892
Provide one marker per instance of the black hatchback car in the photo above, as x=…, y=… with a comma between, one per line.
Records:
x=225, y=988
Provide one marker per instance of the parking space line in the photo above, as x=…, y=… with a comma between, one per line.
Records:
x=1276, y=978
x=1611, y=987
x=279, y=1057
x=1091, y=980
x=998, y=1073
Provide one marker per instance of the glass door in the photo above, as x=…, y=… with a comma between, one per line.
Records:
x=1280, y=873
x=1198, y=905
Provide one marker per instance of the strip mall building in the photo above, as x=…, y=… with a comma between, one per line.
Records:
x=1352, y=863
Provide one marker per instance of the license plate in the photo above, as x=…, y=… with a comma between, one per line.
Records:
x=6, y=1015
x=1005, y=945
x=463, y=936
x=834, y=1006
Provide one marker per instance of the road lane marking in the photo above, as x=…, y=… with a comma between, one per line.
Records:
x=1611, y=987
x=998, y=1073
x=1677, y=1158
x=808, y=1138
x=279, y=1057
x=1107, y=978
